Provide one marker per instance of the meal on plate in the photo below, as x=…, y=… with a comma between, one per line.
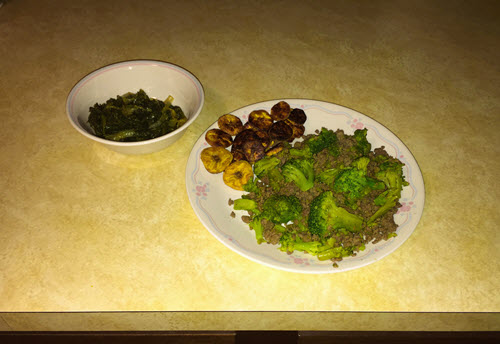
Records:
x=135, y=117
x=327, y=194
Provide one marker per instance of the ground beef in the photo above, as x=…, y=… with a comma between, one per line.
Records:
x=246, y=219
x=272, y=236
x=305, y=236
x=364, y=208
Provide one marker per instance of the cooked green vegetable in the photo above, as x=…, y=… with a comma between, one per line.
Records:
x=246, y=204
x=281, y=208
x=300, y=171
x=325, y=216
x=268, y=167
x=326, y=139
x=265, y=165
x=354, y=183
x=135, y=117
x=392, y=175
x=362, y=146
x=328, y=195
x=322, y=249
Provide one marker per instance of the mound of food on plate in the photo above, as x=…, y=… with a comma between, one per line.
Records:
x=327, y=194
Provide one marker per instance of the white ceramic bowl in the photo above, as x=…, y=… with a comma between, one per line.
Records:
x=158, y=79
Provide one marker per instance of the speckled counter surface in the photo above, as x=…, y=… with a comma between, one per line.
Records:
x=91, y=239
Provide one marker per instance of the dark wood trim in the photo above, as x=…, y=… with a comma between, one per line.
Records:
x=119, y=337
x=253, y=337
x=397, y=337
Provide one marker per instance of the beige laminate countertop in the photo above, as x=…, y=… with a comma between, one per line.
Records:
x=91, y=239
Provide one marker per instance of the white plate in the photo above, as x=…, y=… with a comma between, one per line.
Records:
x=209, y=195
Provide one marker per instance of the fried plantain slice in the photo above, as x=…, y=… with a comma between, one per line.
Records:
x=218, y=138
x=280, y=131
x=238, y=154
x=254, y=150
x=250, y=126
x=241, y=138
x=298, y=116
x=264, y=138
x=274, y=149
x=237, y=174
x=298, y=129
x=280, y=111
x=261, y=119
x=230, y=124
x=216, y=159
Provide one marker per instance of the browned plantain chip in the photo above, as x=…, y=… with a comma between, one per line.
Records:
x=238, y=155
x=230, y=124
x=218, y=138
x=250, y=126
x=254, y=151
x=241, y=138
x=280, y=131
x=298, y=129
x=264, y=138
x=297, y=116
x=261, y=119
x=280, y=111
x=274, y=149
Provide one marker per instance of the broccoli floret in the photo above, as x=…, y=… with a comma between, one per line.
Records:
x=282, y=208
x=300, y=171
x=268, y=166
x=354, y=183
x=328, y=176
x=326, y=139
x=325, y=215
x=387, y=200
x=362, y=147
x=276, y=179
x=251, y=186
x=361, y=164
x=351, y=182
x=391, y=173
x=324, y=249
x=303, y=152
x=262, y=167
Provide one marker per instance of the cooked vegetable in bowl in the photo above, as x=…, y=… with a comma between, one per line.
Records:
x=137, y=121
x=135, y=117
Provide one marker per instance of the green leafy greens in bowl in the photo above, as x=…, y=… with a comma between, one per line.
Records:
x=135, y=117
x=129, y=120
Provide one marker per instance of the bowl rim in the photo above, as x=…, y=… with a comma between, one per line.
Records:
x=151, y=62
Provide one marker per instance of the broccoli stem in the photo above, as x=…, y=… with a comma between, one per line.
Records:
x=335, y=252
x=256, y=225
